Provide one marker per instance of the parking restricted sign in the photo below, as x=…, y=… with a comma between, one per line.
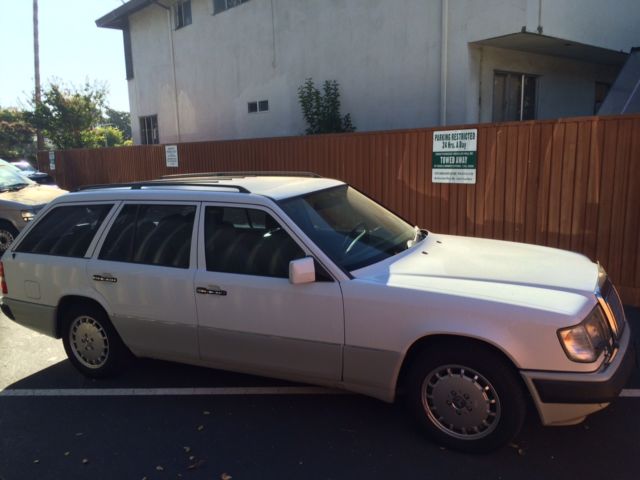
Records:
x=454, y=157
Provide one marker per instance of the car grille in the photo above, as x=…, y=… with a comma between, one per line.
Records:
x=615, y=313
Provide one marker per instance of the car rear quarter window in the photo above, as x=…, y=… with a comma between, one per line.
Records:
x=65, y=231
x=247, y=241
x=151, y=234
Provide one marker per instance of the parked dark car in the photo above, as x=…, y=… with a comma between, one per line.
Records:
x=34, y=174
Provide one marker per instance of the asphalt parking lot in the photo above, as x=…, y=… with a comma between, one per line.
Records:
x=168, y=421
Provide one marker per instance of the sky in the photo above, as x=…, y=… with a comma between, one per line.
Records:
x=72, y=49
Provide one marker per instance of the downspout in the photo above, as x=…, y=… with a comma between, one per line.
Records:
x=444, y=54
x=273, y=35
x=173, y=69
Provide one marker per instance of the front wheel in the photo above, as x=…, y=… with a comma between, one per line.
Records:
x=8, y=234
x=92, y=343
x=466, y=397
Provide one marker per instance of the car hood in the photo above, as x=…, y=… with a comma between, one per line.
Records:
x=33, y=195
x=452, y=260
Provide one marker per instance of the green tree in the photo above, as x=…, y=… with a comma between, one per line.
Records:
x=321, y=110
x=103, y=136
x=16, y=135
x=66, y=114
x=120, y=120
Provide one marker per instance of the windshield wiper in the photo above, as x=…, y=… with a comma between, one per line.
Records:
x=419, y=235
x=15, y=187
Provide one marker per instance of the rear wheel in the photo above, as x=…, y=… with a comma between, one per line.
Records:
x=8, y=234
x=466, y=397
x=92, y=343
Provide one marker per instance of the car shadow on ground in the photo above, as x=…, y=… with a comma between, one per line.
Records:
x=143, y=373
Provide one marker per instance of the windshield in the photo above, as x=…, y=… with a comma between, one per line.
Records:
x=10, y=179
x=353, y=230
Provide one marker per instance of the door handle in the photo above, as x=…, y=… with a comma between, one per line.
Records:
x=211, y=291
x=105, y=278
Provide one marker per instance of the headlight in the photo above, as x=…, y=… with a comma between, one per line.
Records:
x=27, y=215
x=587, y=340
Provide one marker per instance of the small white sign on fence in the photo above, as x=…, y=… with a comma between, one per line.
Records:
x=171, y=155
x=52, y=160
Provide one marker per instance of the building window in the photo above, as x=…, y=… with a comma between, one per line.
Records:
x=255, y=107
x=182, y=14
x=149, y=130
x=602, y=89
x=514, y=96
x=222, y=5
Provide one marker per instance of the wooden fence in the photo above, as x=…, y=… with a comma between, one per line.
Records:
x=570, y=183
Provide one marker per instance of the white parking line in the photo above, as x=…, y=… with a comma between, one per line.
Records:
x=145, y=392
x=215, y=391
x=630, y=392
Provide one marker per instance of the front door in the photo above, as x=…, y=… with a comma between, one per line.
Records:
x=144, y=269
x=250, y=317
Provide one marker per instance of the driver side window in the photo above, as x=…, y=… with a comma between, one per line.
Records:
x=248, y=242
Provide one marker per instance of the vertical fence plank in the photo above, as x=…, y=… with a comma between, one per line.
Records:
x=607, y=185
x=567, y=184
x=581, y=184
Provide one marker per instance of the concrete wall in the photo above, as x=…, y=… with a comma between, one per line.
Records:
x=385, y=55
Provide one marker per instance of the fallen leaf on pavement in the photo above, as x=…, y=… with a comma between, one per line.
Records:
x=160, y=468
x=186, y=449
x=225, y=476
x=66, y=454
x=85, y=461
x=200, y=428
x=195, y=465
x=36, y=461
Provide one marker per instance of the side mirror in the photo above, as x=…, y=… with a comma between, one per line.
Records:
x=302, y=270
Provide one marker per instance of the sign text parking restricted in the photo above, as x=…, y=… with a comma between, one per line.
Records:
x=454, y=157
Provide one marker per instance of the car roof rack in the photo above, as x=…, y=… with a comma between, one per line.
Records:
x=161, y=183
x=247, y=173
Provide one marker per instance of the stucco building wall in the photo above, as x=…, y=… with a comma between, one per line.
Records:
x=387, y=56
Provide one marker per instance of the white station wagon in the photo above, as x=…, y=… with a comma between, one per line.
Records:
x=304, y=278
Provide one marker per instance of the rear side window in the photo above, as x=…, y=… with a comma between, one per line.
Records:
x=151, y=234
x=65, y=231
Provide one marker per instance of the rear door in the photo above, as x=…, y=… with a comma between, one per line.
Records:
x=144, y=268
x=251, y=318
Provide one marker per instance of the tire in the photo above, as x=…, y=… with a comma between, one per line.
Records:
x=466, y=397
x=92, y=343
x=8, y=234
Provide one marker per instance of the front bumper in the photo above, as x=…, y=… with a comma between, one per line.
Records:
x=565, y=398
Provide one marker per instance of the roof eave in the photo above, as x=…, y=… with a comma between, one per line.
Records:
x=119, y=17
